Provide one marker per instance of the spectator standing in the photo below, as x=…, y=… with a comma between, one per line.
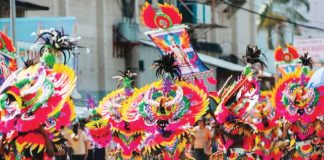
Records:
x=202, y=141
x=79, y=143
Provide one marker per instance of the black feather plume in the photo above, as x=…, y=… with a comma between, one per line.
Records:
x=167, y=65
x=29, y=62
x=57, y=41
x=127, y=74
x=306, y=60
x=253, y=56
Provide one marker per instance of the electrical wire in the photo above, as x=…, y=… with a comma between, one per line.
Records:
x=273, y=18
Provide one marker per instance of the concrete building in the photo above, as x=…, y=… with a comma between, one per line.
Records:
x=231, y=31
x=114, y=34
x=95, y=21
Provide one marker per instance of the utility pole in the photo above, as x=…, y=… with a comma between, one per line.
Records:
x=135, y=11
x=13, y=21
x=293, y=26
x=213, y=10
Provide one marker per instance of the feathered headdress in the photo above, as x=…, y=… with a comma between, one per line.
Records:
x=55, y=41
x=166, y=65
x=253, y=55
x=125, y=78
x=305, y=60
x=29, y=62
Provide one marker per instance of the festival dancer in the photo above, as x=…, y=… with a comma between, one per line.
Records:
x=170, y=107
x=235, y=136
x=33, y=101
x=300, y=104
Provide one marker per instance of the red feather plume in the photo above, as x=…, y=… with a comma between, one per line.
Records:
x=147, y=16
x=279, y=54
x=293, y=51
x=172, y=12
x=150, y=18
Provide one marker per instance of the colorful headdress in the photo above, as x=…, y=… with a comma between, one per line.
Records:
x=111, y=105
x=127, y=134
x=286, y=61
x=235, y=133
x=169, y=107
x=299, y=100
x=55, y=43
x=35, y=104
x=295, y=99
x=166, y=107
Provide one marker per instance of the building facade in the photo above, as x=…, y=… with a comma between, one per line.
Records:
x=113, y=33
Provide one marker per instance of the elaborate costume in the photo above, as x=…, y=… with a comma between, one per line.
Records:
x=268, y=143
x=34, y=103
x=235, y=135
x=128, y=135
x=169, y=107
x=156, y=118
x=301, y=104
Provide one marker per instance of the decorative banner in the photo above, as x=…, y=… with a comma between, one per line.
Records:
x=7, y=57
x=176, y=40
x=7, y=66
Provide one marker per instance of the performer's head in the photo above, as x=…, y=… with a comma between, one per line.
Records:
x=202, y=123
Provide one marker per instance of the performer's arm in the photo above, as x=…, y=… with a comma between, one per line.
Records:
x=86, y=142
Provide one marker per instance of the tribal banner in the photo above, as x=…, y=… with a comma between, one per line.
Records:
x=7, y=66
x=176, y=40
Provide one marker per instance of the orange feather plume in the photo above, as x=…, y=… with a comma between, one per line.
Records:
x=172, y=12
